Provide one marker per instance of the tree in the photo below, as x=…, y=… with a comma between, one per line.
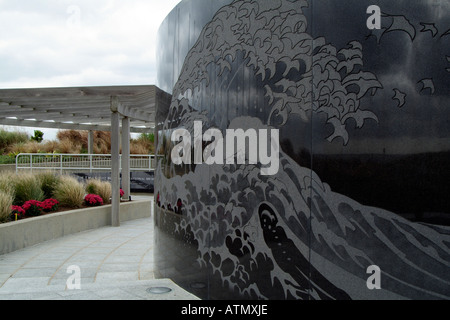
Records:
x=38, y=136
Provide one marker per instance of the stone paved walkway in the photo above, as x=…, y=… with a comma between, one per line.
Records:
x=112, y=263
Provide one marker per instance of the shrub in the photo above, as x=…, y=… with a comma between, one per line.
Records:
x=50, y=146
x=73, y=141
x=27, y=187
x=69, y=146
x=26, y=147
x=101, y=188
x=49, y=205
x=93, y=200
x=103, y=141
x=137, y=148
x=7, y=159
x=48, y=182
x=6, y=201
x=69, y=192
x=145, y=144
x=91, y=187
x=102, y=147
x=38, y=136
x=71, y=135
x=7, y=182
x=32, y=208
x=7, y=139
x=17, y=210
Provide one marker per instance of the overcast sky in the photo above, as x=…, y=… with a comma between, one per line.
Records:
x=63, y=43
x=59, y=43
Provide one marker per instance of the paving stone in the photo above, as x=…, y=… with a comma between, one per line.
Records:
x=115, y=264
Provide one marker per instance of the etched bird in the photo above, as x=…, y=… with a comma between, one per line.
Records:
x=427, y=84
x=397, y=23
x=400, y=96
x=431, y=27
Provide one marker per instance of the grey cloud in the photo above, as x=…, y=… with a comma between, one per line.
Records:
x=113, y=43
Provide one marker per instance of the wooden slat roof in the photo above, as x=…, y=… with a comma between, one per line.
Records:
x=80, y=108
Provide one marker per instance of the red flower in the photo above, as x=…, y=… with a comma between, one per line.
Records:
x=32, y=208
x=17, y=210
x=49, y=205
x=93, y=200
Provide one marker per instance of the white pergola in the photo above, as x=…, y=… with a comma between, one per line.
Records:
x=92, y=109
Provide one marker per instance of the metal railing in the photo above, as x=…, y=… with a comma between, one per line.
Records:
x=79, y=162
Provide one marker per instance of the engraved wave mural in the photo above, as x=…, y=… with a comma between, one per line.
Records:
x=290, y=236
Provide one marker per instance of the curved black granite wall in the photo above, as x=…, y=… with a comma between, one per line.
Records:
x=359, y=207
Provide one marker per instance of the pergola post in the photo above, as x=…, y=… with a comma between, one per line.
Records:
x=91, y=142
x=126, y=158
x=115, y=163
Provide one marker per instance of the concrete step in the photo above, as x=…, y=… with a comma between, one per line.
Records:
x=156, y=289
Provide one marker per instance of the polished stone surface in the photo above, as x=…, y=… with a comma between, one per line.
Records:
x=364, y=150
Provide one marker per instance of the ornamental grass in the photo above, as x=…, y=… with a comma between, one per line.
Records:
x=24, y=195
x=48, y=181
x=6, y=201
x=27, y=187
x=101, y=188
x=7, y=182
x=69, y=192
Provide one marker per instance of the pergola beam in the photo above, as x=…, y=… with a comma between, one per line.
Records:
x=47, y=102
x=135, y=113
x=54, y=125
x=91, y=104
x=45, y=115
x=65, y=108
x=69, y=126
